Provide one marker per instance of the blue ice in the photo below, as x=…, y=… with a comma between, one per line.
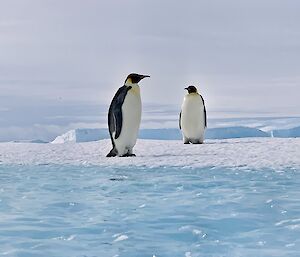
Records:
x=106, y=211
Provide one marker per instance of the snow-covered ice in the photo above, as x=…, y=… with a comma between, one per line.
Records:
x=248, y=153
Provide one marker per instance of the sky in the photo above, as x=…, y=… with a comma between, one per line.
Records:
x=61, y=61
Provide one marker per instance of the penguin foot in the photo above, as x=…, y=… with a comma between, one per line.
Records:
x=186, y=143
x=197, y=142
x=112, y=153
x=129, y=155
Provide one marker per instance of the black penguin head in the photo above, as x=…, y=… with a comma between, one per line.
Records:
x=191, y=89
x=134, y=78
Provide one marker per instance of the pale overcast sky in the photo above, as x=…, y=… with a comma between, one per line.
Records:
x=61, y=60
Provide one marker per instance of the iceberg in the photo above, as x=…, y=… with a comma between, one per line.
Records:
x=285, y=133
x=234, y=132
x=89, y=135
x=81, y=135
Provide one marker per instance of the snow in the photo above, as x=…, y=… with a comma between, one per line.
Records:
x=255, y=153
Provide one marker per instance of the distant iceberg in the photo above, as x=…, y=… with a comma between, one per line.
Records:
x=293, y=132
x=211, y=133
x=234, y=132
x=88, y=135
x=81, y=135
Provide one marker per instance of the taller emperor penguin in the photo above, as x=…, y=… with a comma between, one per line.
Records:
x=124, y=116
x=192, y=118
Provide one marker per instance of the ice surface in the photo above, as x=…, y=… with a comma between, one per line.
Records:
x=248, y=153
x=129, y=211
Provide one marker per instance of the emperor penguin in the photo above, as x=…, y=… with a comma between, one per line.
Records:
x=124, y=117
x=192, y=118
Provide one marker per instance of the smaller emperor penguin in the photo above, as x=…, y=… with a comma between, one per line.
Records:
x=192, y=118
x=124, y=117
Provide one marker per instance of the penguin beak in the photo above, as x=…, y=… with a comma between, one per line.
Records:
x=145, y=76
x=186, y=88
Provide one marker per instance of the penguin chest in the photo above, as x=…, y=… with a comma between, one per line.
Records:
x=131, y=113
x=192, y=116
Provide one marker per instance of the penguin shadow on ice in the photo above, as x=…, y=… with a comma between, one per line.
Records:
x=192, y=118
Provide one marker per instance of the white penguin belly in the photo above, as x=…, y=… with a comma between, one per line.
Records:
x=192, y=117
x=131, y=114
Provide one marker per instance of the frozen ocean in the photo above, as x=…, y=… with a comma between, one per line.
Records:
x=171, y=200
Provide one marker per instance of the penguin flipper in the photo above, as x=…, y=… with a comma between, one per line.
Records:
x=115, y=117
x=118, y=118
x=205, y=118
x=180, y=120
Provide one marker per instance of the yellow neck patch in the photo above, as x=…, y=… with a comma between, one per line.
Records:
x=128, y=81
x=135, y=89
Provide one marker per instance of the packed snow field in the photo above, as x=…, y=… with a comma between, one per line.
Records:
x=273, y=153
x=235, y=197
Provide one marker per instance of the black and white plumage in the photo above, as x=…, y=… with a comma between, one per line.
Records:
x=124, y=116
x=192, y=118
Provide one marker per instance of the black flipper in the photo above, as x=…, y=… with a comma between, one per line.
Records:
x=205, y=118
x=115, y=118
x=180, y=120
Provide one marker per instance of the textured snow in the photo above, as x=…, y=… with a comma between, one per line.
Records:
x=274, y=153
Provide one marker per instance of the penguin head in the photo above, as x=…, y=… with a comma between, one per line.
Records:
x=134, y=78
x=191, y=89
